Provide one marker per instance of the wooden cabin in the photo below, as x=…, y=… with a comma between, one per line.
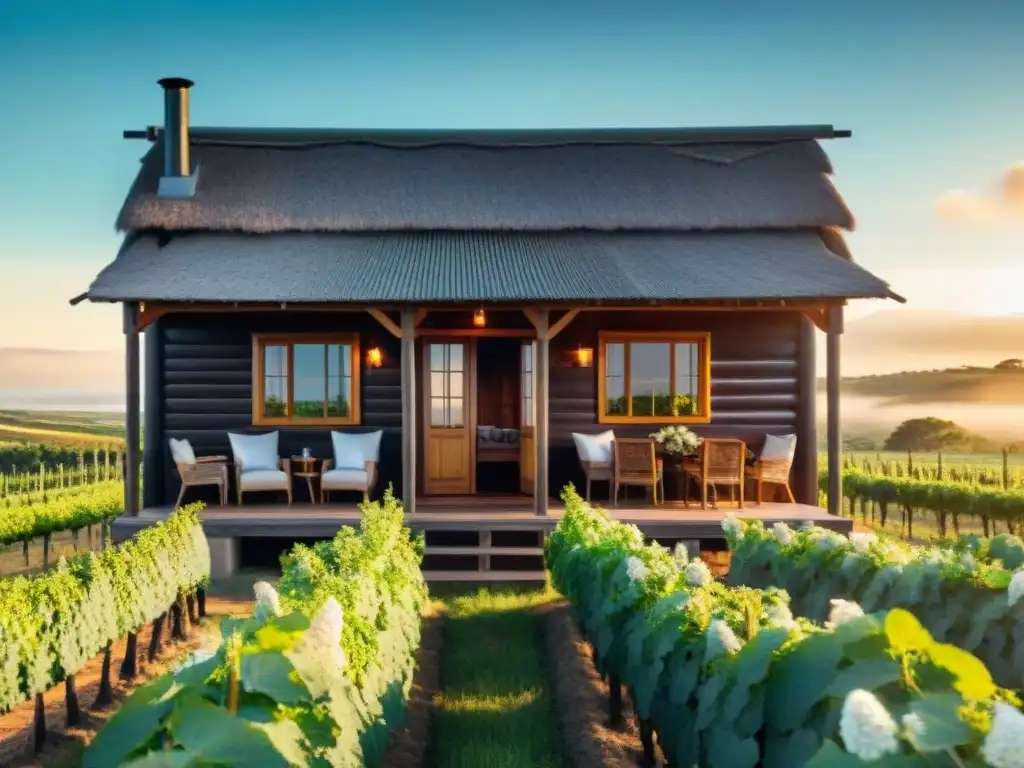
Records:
x=478, y=297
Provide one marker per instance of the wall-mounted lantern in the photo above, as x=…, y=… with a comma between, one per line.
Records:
x=585, y=357
x=374, y=357
x=479, y=319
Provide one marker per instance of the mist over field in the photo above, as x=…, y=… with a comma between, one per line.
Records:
x=876, y=417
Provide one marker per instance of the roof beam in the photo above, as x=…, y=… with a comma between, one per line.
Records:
x=389, y=325
x=563, y=321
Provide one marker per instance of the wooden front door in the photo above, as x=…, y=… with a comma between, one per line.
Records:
x=527, y=446
x=449, y=416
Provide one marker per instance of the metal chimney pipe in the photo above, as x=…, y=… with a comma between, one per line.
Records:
x=176, y=140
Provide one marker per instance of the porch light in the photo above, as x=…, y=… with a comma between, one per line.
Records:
x=585, y=357
x=374, y=357
x=479, y=318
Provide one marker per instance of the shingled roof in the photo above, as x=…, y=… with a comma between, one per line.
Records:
x=400, y=216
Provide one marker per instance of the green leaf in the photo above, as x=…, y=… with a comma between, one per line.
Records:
x=831, y=755
x=971, y=677
x=942, y=727
x=800, y=679
x=177, y=759
x=905, y=632
x=868, y=674
x=221, y=737
x=273, y=674
x=134, y=725
x=750, y=666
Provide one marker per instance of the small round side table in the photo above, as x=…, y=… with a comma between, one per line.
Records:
x=303, y=467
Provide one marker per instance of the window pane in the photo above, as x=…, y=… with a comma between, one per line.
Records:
x=437, y=412
x=310, y=385
x=275, y=381
x=437, y=357
x=455, y=412
x=339, y=360
x=649, y=379
x=687, y=379
x=437, y=384
x=615, y=360
x=455, y=384
x=615, y=396
x=527, y=385
x=455, y=357
x=339, y=397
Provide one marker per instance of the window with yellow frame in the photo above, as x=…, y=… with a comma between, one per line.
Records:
x=307, y=379
x=654, y=378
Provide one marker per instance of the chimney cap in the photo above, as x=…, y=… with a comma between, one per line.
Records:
x=175, y=83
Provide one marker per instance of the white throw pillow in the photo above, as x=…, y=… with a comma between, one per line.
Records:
x=181, y=451
x=352, y=450
x=779, y=448
x=255, y=452
x=596, y=449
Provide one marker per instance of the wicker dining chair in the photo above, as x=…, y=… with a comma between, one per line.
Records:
x=636, y=464
x=722, y=462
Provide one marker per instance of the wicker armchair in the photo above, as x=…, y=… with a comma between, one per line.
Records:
x=248, y=480
x=197, y=471
x=595, y=455
x=257, y=465
x=206, y=470
x=722, y=462
x=637, y=464
x=774, y=465
x=354, y=466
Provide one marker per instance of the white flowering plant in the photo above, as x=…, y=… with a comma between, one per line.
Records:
x=960, y=594
x=314, y=677
x=726, y=676
x=677, y=440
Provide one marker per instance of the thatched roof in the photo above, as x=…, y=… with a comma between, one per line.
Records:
x=406, y=267
x=522, y=181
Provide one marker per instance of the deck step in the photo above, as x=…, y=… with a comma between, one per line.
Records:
x=471, y=576
x=477, y=550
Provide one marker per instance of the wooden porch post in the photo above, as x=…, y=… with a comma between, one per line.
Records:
x=131, y=419
x=409, y=411
x=835, y=439
x=805, y=466
x=541, y=371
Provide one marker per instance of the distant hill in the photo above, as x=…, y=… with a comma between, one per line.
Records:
x=907, y=339
x=952, y=385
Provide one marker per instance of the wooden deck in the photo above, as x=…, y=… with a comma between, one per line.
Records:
x=506, y=513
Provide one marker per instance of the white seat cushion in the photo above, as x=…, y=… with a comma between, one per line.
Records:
x=181, y=451
x=352, y=450
x=264, y=479
x=255, y=452
x=345, y=478
x=596, y=449
x=779, y=448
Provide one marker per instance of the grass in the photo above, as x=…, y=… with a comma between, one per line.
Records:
x=495, y=708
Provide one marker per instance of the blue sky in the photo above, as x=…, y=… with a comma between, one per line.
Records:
x=930, y=90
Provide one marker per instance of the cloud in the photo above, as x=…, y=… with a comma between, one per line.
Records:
x=1002, y=204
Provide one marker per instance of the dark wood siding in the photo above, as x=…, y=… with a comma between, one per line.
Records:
x=207, y=385
x=762, y=367
x=756, y=376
